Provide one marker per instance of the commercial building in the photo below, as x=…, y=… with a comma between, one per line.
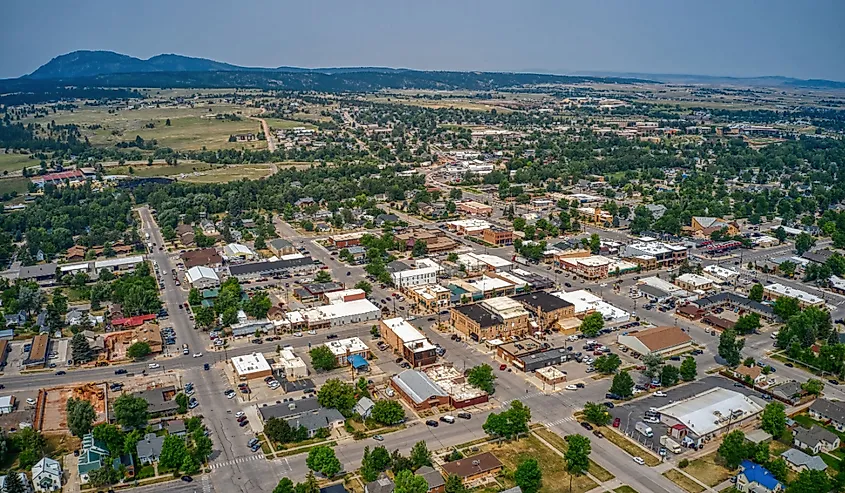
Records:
x=234, y=251
x=694, y=282
x=476, y=262
x=719, y=274
x=454, y=383
x=201, y=277
x=409, y=342
x=7, y=404
x=349, y=351
x=306, y=413
x=418, y=390
x=251, y=366
x=550, y=375
x=469, y=227
x=435, y=240
x=547, y=309
x=805, y=299
x=292, y=366
x=592, y=267
x=530, y=355
x=207, y=257
x=494, y=318
x=343, y=296
x=497, y=236
x=425, y=273
x=281, y=246
x=314, y=291
x=711, y=412
x=346, y=240
x=339, y=314
x=661, y=290
x=37, y=356
x=124, y=264
x=474, y=208
x=429, y=298
x=661, y=340
x=707, y=225
x=253, y=270
x=734, y=300
x=586, y=302
x=160, y=400
x=656, y=253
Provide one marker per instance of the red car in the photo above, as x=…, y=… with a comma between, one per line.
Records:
x=503, y=367
x=616, y=422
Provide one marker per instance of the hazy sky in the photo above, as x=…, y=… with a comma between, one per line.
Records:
x=798, y=38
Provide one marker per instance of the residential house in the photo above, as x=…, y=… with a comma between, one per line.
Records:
x=754, y=478
x=149, y=449
x=47, y=475
x=435, y=481
x=789, y=391
x=829, y=411
x=799, y=461
x=364, y=407
x=816, y=439
x=474, y=468
x=380, y=485
x=755, y=373
x=94, y=454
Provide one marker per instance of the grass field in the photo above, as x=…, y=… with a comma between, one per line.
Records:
x=279, y=124
x=707, y=470
x=559, y=443
x=625, y=489
x=17, y=184
x=684, y=482
x=230, y=173
x=15, y=162
x=552, y=465
x=144, y=171
x=630, y=447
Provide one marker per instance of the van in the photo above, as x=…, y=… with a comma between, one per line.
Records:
x=447, y=419
x=153, y=366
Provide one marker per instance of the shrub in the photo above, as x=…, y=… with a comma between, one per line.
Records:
x=684, y=463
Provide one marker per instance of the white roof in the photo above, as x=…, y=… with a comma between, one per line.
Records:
x=470, y=224
x=343, y=346
x=115, y=262
x=508, y=276
x=585, y=301
x=489, y=283
x=550, y=372
x=6, y=401
x=291, y=256
x=711, y=410
x=236, y=249
x=505, y=307
x=804, y=296
x=250, y=363
x=47, y=465
x=490, y=260
x=199, y=272
x=720, y=272
x=338, y=296
x=356, y=307
x=404, y=330
x=667, y=286
x=591, y=261
x=693, y=280
x=75, y=267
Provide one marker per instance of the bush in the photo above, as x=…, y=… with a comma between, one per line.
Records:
x=145, y=472
x=455, y=455
x=684, y=463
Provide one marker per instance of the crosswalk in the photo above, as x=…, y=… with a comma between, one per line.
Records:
x=568, y=419
x=523, y=398
x=237, y=460
x=206, y=484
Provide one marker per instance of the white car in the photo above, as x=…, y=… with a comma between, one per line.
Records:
x=297, y=334
x=660, y=393
x=571, y=387
x=197, y=355
x=154, y=366
x=639, y=460
x=230, y=395
x=312, y=332
x=30, y=401
x=239, y=414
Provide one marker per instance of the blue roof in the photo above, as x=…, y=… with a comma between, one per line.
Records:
x=357, y=361
x=755, y=473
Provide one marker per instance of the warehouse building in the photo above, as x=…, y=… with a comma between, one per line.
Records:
x=710, y=413
x=254, y=270
x=661, y=340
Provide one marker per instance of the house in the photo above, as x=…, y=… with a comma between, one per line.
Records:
x=474, y=468
x=799, y=461
x=24, y=481
x=755, y=478
x=816, y=439
x=280, y=246
x=789, y=391
x=435, y=481
x=206, y=257
x=47, y=475
x=160, y=400
x=755, y=373
x=829, y=411
x=149, y=449
x=364, y=407
x=7, y=404
x=92, y=456
x=176, y=427
x=708, y=225
x=380, y=485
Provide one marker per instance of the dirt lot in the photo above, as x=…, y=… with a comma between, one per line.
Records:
x=55, y=417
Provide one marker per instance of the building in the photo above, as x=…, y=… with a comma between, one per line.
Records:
x=47, y=475
x=734, y=300
x=201, y=277
x=7, y=404
x=790, y=392
x=343, y=296
x=346, y=240
x=469, y=227
x=345, y=350
x=58, y=178
x=474, y=208
x=799, y=461
x=719, y=274
x=43, y=274
x=124, y=264
x=832, y=412
x=418, y=390
x=435, y=481
x=306, y=413
x=314, y=291
x=254, y=270
x=340, y=314
x=586, y=302
x=474, y=468
x=292, y=366
x=37, y=356
x=237, y=251
x=529, y=355
x=547, y=309
x=93, y=455
x=711, y=412
x=754, y=478
x=280, y=246
x=592, y=267
x=661, y=340
x=805, y=299
x=707, y=225
x=816, y=439
x=251, y=366
x=206, y=257
x=494, y=318
x=380, y=485
x=497, y=236
x=694, y=282
x=550, y=375
x=655, y=254
x=160, y=400
x=149, y=448
x=429, y=298
x=754, y=372
x=425, y=273
x=476, y=262
x=407, y=341
x=454, y=383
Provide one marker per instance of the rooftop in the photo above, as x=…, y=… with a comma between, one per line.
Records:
x=479, y=314
x=543, y=301
x=711, y=410
x=659, y=338
x=344, y=346
x=418, y=386
x=470, y=466
x=250, y=363
x=803, y=296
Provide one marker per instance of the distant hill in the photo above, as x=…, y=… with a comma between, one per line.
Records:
x=763, y=81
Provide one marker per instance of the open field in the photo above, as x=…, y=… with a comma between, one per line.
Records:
x=144, y=171
x=15, y=162
x=559, y=443
x=441, y=103
x=707, y=470
x=553, y=466
x=230, y=173
x=630, y=447
x=18, y=184
x=279, y=124
x=684, y=482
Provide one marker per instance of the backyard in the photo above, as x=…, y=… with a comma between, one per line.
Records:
x=684, y=482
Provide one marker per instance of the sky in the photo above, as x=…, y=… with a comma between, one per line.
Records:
x=797, y=38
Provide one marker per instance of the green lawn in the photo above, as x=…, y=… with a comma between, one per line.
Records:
x=14, y=162
x=144, y=171
x=625, y=489
x=231, y=173
x=17, y=184
x=559, y=443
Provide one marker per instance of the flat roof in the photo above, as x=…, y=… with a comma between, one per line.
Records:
x=711, y=410
x=115, y=262
x=543, y=301
x=278, y=265
x=798, y=294
x=522, y=347
x=489, y=283
x=343, y=346
x=250, y=363
x=38, y=350
x=404, y=331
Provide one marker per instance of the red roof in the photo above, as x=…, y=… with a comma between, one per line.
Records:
x=134, y=321
x=678, y=427
x=61, y=175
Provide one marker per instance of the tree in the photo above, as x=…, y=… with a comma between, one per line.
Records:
x=669, y=375
x=528, y=476
x=482, y=377
x=508, y=423
x=138, y=350
x=375, y=462
x=182, y=401
x=607, y=364
x=80, y=416
x=322, y=459
x=596, y=413
x=364, y=286
x=810, y=482
x=202, y=446
x=778, y=468
x=131, y=412
x=338, y=395
x=420, y=249
x=733, y=449
x=173, y=452
x=803, y=243
x=285, y=486
x=190, y=465
x=730, y=348
x=747, y=323
x=387, y=412
x=420, y=455
x=258, y=305
x=278, y=430
x=577, y=456
x=194, y=297
x=13, y=483
x=80, y=349
x=652, y=362
x=454, y=484
x=623, y=385
x=408, y=482
x=104, y=476
x=689, y=369
x=785, y=307
x=780, y=234
x=592, y=324
x=322, y=276
x=756, y=292
x=322, y=358
x=813, y=386
x=773, y=419
x=112, y=436
x=204, y=317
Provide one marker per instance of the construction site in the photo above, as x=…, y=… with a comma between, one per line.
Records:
x=51, y=405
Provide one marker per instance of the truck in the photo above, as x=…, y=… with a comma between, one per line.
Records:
x=670, y=444
x=644, y=429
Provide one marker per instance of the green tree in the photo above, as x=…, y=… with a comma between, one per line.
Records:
x=173, y=452
x=813, y=386
x=785, y=307
x=322, y=276
x=773, y=419
x=595, y=243
x=204, y=317
x=374, y=463
x=803, y=243
x=190, y=465
x=278, y=430
x=607, y=364
x=14, y=484
x=420, y=249
x=80, y=349
x=322, y=358
x=454, y=484
x=508, y=423
x=482, y=377
x=596, y=413
x=733, y=449
x=364, y=286
x=577, y=457
x=80, y=416
x=622, y=385
x=652, y=362
x=528, y=476
x=669, y=375
x=756, y=292
x=778, y=468
x=387, y=412
x=138, y=350
x=285, y=486
x=689, y=369
x=420, y=455
x=337, y=394
x=131, y=412
x=730, y=348
x=747, y=323
x=202, y=446
x=408, y=482
x=194, y=297
x=780, y=234
x=112, y=436
x=104, y=476
x=810, y=482
x=181, y=401
x=322, y=459
x=592, y=324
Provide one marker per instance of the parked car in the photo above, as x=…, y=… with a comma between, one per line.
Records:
x=586, y=426
x=431, y=423
x=120, y=371
x=616, y=422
